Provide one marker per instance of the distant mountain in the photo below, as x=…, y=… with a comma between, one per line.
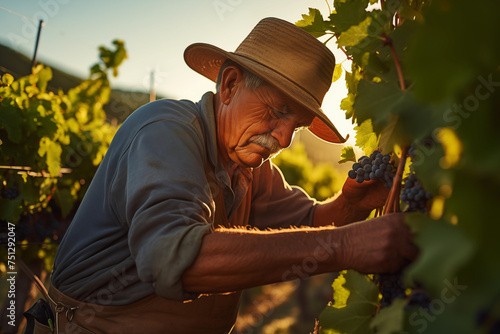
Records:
x=121, y=103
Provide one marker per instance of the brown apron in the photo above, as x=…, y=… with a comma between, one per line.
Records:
x=209, y=314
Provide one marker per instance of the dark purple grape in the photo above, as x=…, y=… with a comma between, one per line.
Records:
x=391, y=287
x=10, y=193
x=366, y=161
x=414, y=195
x=373, y=168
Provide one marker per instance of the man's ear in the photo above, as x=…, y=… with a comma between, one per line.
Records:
x=231, y=79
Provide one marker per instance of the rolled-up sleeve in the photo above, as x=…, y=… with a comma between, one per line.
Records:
x=276, y=204
x=161, y=183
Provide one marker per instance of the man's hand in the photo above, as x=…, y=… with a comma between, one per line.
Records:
x=354, y=204
x=365, y=196
x=379, y=245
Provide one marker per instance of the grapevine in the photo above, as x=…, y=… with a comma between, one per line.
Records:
x=415, y=96
x=51, y=146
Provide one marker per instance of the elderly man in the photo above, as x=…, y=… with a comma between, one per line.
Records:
x=186, y=209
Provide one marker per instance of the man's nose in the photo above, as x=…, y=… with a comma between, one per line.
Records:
x=284, y=133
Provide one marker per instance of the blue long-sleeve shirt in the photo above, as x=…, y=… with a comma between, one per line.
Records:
x=142, y=220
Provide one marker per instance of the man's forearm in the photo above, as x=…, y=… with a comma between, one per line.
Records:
x=232, y=260
x=338, y=212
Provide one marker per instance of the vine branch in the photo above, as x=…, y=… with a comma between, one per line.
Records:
x=388, y=42
x=342, y=48
x=392, y=204
x=329, y=9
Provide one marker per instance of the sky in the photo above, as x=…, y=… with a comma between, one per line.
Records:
x=155, y=35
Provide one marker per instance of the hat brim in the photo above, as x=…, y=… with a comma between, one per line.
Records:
x=207, y=60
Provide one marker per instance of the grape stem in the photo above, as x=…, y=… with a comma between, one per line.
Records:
x=388, y=42
x=392, y=204
x=342, y=48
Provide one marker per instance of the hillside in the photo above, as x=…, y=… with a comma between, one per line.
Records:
x=121, y=104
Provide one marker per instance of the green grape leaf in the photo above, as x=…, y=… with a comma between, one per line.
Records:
x=447, y=70
x=11, y=120
x=52, y=151
x=64, y=200
x=411, y=11
x=377, y=101
x=440, y=257
x=10, y=209
x=119, y=55
x=390, y=319
x=347, y=14
x=47, y=127
x=355, y=34
x=105, y=55
x=347, y=105
x=352, y=78
x=30, y=191
x=44, y=76
x=473, y=189
x=365, y=137
x=96, y=69
x=356, y=298
x=337, y=72
x=392, y=135
x=7, y=79
x=313, y=23
x=347, y=155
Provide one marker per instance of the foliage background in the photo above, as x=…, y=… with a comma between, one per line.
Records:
x=426, y=74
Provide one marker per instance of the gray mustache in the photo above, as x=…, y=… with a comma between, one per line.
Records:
x=268, y=142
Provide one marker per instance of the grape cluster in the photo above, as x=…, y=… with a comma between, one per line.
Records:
x=375, y=167
x=34, y=228
x=10, y=193
x=414, y=194
x=391, y=287
x=418, y=299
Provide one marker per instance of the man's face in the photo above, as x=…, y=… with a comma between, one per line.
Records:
x=257, y=124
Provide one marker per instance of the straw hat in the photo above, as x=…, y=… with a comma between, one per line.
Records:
x=287, y=57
